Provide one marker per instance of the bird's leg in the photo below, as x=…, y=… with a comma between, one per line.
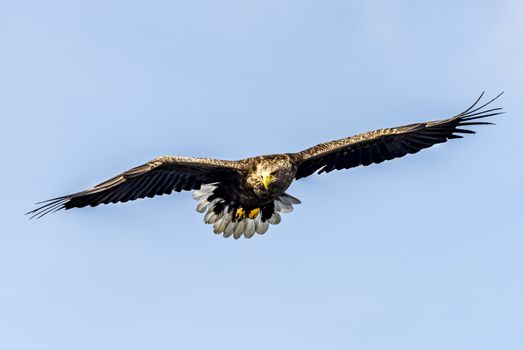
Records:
x=240, y=214
x=253, y=213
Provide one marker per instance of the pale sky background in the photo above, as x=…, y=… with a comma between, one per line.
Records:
x=423, y=252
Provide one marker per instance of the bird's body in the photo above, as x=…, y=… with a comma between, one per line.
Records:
x=243, y=197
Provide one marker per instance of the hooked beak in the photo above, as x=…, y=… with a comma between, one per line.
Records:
x=267, y=180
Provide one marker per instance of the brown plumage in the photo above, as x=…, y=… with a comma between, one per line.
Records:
x=243, y=197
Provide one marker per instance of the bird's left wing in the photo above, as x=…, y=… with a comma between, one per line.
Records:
x=386, y=144
x=159, y=176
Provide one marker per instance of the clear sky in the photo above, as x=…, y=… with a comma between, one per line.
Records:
x=423, y=252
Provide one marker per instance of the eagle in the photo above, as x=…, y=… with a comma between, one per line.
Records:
x=243, y=197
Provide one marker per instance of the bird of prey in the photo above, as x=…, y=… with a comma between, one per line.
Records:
x=244, y=197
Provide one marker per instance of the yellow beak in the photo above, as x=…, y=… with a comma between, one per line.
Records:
x=268, y=179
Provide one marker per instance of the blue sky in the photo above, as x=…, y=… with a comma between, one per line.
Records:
x=424, y=252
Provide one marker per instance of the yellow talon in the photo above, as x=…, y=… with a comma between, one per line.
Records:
x=253, y=213
x=240, y=214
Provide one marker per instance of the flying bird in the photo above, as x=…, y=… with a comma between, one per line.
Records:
x=244, y=197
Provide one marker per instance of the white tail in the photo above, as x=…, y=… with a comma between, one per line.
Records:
x=225, y=221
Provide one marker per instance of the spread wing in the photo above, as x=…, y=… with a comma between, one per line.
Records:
x=386, y=144
x=159, y=176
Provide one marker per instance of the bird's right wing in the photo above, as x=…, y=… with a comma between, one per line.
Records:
x=159, y=176
x=385, y=144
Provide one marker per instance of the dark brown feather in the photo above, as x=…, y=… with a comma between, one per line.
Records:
x=386, y=144
x=159, y=176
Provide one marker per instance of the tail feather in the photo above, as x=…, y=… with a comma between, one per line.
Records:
x=222, y=215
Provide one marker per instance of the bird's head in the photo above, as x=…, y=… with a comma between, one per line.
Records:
x=270, y=175
x=268, y=178
x=264, y=178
